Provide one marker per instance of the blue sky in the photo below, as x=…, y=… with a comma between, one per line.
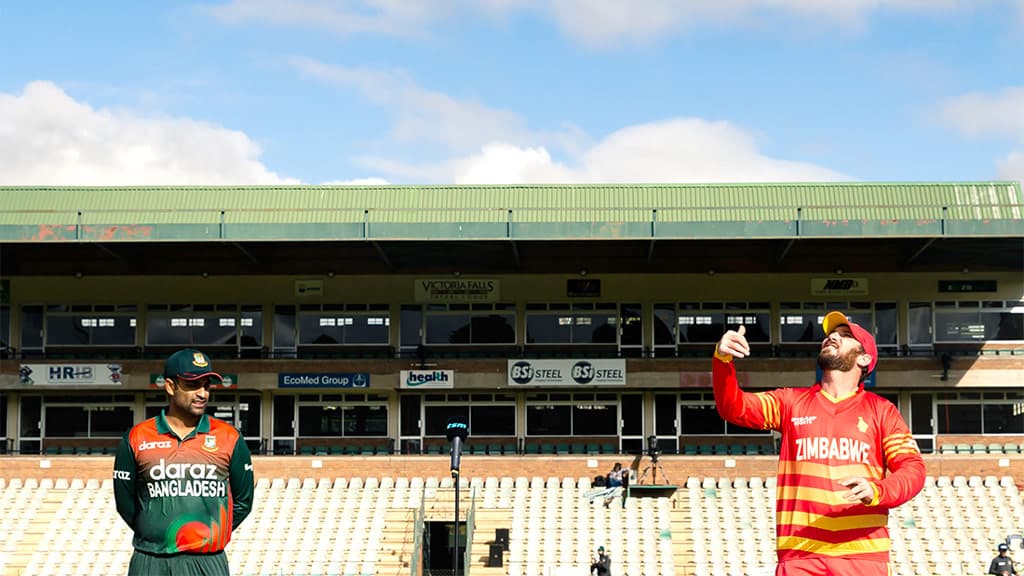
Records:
x=510, y=91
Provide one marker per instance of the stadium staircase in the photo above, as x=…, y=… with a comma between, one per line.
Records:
x=681, y=528
x=396, y=542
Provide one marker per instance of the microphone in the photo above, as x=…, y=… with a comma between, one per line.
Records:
x=456, y=431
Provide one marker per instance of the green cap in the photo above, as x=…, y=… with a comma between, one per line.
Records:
x=600, y=548
x=189, y=364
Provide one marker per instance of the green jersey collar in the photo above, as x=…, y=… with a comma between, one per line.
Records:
x=163, y=428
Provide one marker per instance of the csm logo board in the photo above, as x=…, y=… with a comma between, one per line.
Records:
x=427, y=379
x=605, y=372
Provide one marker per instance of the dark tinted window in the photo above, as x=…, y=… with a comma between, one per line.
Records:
x=284, y=413
x=700, y=419
x=493, y=420
x=595, y=420
x=554, y=420
x=110, y=422
x=959, y=418
x=1003, y=419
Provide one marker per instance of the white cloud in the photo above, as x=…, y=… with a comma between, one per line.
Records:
x=977, y=114
x=675, y=150
x=341, y=17
x=500, y=163
x=591, y=22
x=49, y=138
x=482, y=145
x=610, y=22
x=421, y=115
x=467, y=142
x=990, y=115
x=692, y=150
x=358, y=182
x=1012, y=167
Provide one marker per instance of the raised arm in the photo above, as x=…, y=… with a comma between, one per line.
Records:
x=760, y=410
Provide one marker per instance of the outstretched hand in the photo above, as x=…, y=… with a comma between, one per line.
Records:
x=734, y=343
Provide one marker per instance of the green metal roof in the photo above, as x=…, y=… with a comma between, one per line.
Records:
x=516, y=212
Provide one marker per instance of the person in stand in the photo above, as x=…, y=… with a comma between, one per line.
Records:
x=183, y=481
x=1002, y=565
x=602, y=565
x=846, y=454
x=615, y=476
x=616, y=481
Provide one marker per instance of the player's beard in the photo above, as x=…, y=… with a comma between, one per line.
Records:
x=183, y=404
x=842, y=362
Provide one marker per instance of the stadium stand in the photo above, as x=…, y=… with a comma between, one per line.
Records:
x=361, y=288
x=362, y=526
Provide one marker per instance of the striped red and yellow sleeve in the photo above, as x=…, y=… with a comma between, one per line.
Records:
x=761, y=410
x=902, y=459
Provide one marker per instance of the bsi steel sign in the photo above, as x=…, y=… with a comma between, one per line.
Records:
x=427, y=379
x=610, y=372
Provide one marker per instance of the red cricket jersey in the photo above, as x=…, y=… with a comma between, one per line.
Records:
x=183, y=494
x=823, y=441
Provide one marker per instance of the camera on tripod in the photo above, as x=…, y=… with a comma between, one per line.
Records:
x=652, y=448
x=654, y=467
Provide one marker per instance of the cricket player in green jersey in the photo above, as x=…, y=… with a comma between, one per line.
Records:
x=183, y=480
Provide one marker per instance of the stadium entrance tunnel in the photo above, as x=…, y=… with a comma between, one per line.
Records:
x=438, y=540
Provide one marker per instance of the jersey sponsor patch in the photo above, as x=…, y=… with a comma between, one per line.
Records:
x=177, y=471
x=153, y=444
x=122, y=475
x=184, y=479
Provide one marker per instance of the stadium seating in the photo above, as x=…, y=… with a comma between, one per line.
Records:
x=362, y=526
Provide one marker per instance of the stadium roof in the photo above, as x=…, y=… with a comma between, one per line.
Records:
x=523, y=212
x=648, y=228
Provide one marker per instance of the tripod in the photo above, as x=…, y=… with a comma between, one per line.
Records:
x=653, y=468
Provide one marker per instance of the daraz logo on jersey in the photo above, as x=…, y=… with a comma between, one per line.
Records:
x=824, y=448
x=154, y=444
x=184, y=479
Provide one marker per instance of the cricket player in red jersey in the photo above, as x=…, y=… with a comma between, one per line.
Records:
x=846, y=456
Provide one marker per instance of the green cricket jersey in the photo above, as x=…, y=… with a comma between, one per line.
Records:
x=183, y=494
